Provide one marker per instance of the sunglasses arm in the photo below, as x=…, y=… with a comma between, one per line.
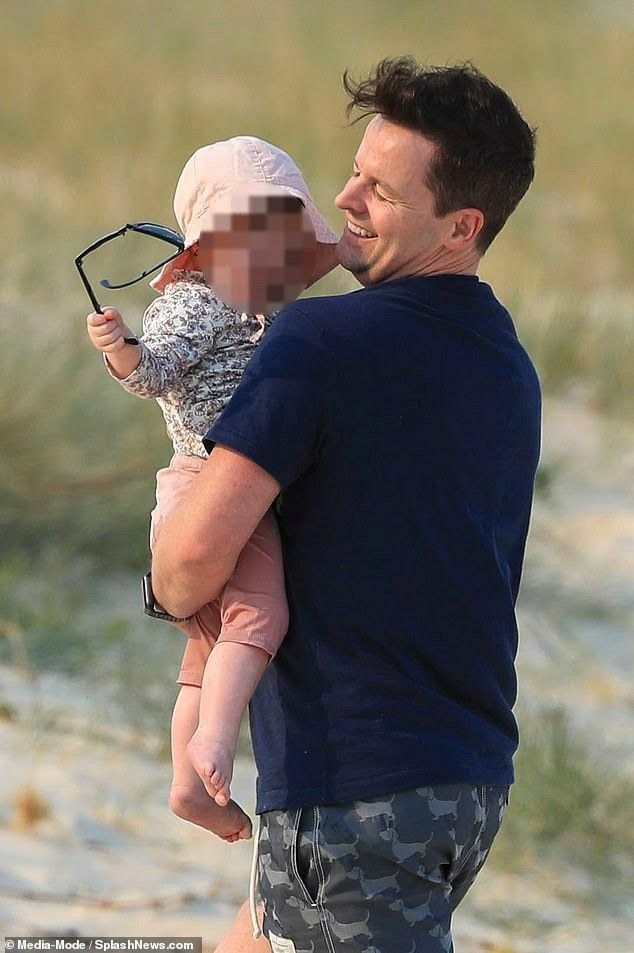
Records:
x=144, y=274
x=148, y=228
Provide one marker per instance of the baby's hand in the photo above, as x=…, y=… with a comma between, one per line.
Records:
x=108, y=330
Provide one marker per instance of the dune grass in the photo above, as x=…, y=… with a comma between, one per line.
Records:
x=97, y=125
x=569, y=801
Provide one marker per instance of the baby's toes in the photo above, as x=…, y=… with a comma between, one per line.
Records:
x=223, y=796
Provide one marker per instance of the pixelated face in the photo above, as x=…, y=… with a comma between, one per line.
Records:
x=391, y=228
x=259, y=252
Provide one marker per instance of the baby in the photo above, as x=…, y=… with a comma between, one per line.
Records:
x=253, y=240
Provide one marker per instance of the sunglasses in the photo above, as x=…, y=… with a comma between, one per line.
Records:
x=145, y=228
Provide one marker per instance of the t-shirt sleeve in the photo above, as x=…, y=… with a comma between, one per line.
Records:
x=277, y=415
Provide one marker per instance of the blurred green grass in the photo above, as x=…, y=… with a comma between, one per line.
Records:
x=97, y=126
x=104, y=101
x=568, y=800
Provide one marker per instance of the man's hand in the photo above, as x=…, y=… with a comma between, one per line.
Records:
x=107, y=333
x=200, y=542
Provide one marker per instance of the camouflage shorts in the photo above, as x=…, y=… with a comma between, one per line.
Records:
x=378, y=876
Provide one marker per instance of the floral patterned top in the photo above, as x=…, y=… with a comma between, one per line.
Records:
x=194, y=349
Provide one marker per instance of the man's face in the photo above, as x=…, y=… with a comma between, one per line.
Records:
x=258, y=258
x=391, y=228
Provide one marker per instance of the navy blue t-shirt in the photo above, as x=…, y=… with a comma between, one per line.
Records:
x=403, y=423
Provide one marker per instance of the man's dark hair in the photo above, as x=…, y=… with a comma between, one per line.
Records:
x=485, y=150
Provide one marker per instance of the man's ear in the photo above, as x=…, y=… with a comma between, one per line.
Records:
x=467, y=225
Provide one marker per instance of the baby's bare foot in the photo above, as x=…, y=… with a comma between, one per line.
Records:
x=233, y=824
x=213, y=762
x=193, y=804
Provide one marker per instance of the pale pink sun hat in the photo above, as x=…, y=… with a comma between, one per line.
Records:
x=236, y=165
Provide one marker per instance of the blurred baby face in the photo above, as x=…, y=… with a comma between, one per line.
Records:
x=258, y=251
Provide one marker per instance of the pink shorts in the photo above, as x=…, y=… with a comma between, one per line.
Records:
x=252, y=608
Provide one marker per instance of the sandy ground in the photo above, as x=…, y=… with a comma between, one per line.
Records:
x=109, y=859
x=576, y=607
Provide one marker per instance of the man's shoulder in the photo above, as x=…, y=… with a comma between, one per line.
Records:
x=320, y=307
x=327, y=311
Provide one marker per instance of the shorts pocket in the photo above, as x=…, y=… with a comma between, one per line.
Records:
x=303, y=854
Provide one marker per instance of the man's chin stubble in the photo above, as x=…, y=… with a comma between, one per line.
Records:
x=353, y=264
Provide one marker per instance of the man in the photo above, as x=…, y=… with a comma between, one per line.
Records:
x=401, y=424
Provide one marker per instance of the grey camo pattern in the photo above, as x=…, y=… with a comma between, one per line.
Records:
x=378, y=876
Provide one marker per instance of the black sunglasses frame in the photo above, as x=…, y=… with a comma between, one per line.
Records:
x=145, y=228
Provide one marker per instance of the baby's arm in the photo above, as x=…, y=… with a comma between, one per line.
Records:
x=177, y=330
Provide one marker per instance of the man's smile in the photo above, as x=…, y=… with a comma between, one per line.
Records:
x=360, y=232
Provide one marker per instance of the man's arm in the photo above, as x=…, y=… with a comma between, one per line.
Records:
x=201, y=541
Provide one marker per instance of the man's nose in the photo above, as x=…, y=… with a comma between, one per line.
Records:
x=350, y=196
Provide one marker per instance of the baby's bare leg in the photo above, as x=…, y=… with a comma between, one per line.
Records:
x=232, y=673
x=188, y=797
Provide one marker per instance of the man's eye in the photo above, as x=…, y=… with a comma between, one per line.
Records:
x=355, y=173
x=382, y=198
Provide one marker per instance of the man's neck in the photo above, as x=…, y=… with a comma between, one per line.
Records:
x=445, y=263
